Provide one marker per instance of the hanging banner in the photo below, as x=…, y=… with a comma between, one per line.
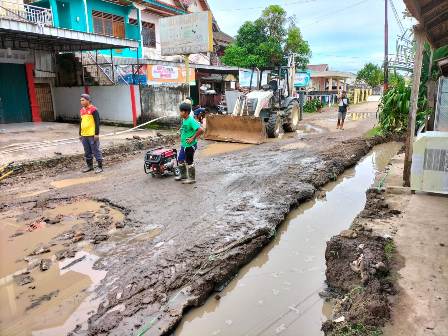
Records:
x=162, y=74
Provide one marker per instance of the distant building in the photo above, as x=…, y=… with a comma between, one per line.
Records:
x=324, y=79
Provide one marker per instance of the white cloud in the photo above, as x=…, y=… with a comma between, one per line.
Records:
x=345, y=34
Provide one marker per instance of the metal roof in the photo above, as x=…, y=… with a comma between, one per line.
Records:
x=25, y=36
x=433, y=18
x=331, y=74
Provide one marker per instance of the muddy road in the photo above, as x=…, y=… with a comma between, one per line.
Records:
x=141, y=250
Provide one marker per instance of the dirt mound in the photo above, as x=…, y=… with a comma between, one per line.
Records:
x=358, y=267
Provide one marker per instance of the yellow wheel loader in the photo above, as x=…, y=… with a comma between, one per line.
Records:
x=263, y=113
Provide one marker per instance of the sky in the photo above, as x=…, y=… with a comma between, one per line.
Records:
x=345, y=34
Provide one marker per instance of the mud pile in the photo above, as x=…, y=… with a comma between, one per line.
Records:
x=358, y=273
x=112, y=154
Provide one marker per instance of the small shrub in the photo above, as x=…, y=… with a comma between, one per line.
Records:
x=312, y=106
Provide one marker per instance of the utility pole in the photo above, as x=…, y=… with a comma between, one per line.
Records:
x=386, y=48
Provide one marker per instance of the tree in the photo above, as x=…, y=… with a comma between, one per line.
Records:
x=296, y=44
x=265, y=41
x=371, y=74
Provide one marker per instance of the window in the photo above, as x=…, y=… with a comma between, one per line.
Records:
x=149, y=35
x=108, y=24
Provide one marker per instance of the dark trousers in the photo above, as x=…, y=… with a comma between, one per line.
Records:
x=186, y=154
x=91, y=148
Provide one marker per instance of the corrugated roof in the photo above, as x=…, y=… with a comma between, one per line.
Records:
x=318, y=67
x=332, y=74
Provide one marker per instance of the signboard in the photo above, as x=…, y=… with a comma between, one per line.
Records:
x=302, y=78
x=186, y=34
x=161, y=74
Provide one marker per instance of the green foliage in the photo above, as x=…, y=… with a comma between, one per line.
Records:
x=373, y=132
x=264, y=42
x=312, y=106
x=296, y=44
x=371, y=74
x=358, y=329
x=394, y=109
x=395, y=79
x=274, y=20
x=389, y=249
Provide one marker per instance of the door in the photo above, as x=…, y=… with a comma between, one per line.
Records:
x=43, y=94
x=118, y=29
x=64, y=15
x=14, y=100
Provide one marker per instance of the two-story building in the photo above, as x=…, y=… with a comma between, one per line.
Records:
x=130, y=55
x=29, y=40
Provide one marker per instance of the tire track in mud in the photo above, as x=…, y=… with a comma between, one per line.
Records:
x=264, y=185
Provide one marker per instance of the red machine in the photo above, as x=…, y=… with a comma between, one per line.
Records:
x=161, y=161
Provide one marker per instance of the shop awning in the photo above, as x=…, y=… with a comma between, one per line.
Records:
x=25, y=36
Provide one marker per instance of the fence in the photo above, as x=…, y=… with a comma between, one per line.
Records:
x=28, y=13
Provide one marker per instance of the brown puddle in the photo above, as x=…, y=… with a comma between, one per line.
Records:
x=217, y=148
x=54, y=295
x=277, y=293
x=71, y=182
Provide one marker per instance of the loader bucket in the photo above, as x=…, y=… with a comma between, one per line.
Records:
x=245, y=129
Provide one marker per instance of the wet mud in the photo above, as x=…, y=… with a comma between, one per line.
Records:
x=167, y=276
x=47, y=266
x=278, y=292
x=187, y=250
x=65, y=163
x=217, y=148
x=358, y=274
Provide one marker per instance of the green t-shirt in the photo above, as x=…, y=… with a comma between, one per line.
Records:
x=189, y=128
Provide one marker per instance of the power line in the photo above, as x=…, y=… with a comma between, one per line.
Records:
x=329, y=15
x=297, y=2
x=397, y=17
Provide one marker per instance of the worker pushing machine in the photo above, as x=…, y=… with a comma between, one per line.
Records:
x=190, y=131
x=89, y=131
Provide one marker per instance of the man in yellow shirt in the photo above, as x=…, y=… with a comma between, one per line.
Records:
x=89, y=131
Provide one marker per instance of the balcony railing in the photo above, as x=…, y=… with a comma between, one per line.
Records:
x=19, y=11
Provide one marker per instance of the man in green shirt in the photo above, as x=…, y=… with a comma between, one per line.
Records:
x=190, y=131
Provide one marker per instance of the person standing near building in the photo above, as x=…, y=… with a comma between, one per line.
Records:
x=343, y=106
x=190, y=131
x=89, y=131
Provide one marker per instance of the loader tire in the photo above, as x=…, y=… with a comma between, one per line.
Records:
x=273, y=126
x=293, y=116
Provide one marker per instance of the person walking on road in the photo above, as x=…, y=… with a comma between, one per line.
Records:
x=343, y=106
x=89, y=131
x=190, y=131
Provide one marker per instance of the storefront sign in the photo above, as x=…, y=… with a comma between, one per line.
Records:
x=302, y=79
x=161, y=74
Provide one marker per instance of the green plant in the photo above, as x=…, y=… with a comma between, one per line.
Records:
x=394, y=109
x=389, y=249
x=312, y=105
x=373, y=132
x=358, y=329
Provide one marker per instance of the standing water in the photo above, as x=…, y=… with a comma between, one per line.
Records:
x=278, y=292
